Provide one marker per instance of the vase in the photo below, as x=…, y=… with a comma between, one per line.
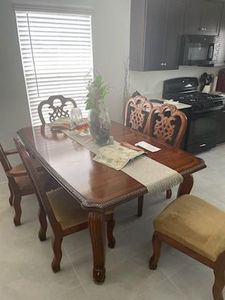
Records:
x=99, y=124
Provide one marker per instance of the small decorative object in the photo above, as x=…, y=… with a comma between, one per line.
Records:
x=99, y=120
x=76, y=116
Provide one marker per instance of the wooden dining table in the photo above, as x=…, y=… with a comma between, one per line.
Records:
x=96, y=187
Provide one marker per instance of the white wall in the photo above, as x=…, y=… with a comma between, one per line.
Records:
x=151, y=83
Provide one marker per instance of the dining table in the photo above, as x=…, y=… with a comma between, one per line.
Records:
x=96, y=187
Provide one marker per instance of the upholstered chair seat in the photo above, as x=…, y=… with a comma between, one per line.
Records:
x=195, y=224
x=23, y=182
x=66, y=209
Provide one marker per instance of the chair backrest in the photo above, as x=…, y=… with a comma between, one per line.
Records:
x=167, y=124
x=58, y=107
x=4, y=160
x=37, y=181
x=137, y=112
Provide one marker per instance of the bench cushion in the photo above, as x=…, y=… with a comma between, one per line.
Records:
x=194, y=223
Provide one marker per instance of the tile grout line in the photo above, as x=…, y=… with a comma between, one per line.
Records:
x=75, y=272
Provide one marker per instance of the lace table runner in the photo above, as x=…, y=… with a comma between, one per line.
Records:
x=150, y=173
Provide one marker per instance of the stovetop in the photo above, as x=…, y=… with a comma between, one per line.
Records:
x=185, y=90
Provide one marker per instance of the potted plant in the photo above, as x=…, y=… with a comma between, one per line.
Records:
x=99, y=120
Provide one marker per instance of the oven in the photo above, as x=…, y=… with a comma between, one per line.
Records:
x=202, y=134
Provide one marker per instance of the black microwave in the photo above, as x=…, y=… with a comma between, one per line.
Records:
x=197, y=50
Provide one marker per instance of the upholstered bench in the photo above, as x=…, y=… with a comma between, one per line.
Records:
x=196, y=228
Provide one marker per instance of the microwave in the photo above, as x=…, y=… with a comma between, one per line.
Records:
x=197, y=50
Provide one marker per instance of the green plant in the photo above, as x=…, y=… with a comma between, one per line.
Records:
x=97, y=90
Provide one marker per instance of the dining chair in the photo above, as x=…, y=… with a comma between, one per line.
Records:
x=167, y=124
x=137, y=111
x=196, y=228
x=63, y=211
x=18, y=181
x=55, y=107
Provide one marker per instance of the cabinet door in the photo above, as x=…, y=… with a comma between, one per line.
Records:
x=203, y=17
x=193, y=16
x=155, y=35
x=211, y=17
x=174, y=31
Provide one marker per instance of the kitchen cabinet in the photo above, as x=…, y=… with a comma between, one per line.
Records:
x=203, y=17
x=156, y=28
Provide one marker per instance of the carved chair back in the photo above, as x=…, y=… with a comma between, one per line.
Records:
x=167, y=124
x=38, y=183
x=4, y=160
x=137, y=112
x=58, y=107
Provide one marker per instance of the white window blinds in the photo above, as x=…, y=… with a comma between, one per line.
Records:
x=56, y=51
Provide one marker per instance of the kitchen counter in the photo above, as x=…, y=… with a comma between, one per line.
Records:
x=177, y=104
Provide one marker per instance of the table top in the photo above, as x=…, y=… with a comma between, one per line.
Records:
x=94, y=185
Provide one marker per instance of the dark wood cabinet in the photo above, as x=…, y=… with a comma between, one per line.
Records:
x=203, y=17
x=156, y=28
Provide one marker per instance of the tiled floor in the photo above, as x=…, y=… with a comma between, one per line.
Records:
x=25, y=271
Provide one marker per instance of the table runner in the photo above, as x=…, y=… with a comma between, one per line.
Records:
x=150, y=173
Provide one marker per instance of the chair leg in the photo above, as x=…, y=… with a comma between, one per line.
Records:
x=156, y=244
x=110, y=227
x=219, y=282
x=168, y=194
x=11, y=197
x=17, y=208
x=43, y=224
x=57, y=249
x=140, y=206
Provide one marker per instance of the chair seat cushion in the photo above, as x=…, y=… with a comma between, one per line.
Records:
x=195, y=224
x=23, y=182
x=66, y=209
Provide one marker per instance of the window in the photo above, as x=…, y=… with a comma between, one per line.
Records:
x=56, y=51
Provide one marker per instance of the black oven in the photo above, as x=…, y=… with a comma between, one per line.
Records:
x=197, y=50
x=202, y=133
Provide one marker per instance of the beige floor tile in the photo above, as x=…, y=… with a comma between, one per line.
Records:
x=195, y=281
x=25, y=261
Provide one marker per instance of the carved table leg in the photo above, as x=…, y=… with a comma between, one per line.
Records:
x=186, y=185
x=97, y=232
